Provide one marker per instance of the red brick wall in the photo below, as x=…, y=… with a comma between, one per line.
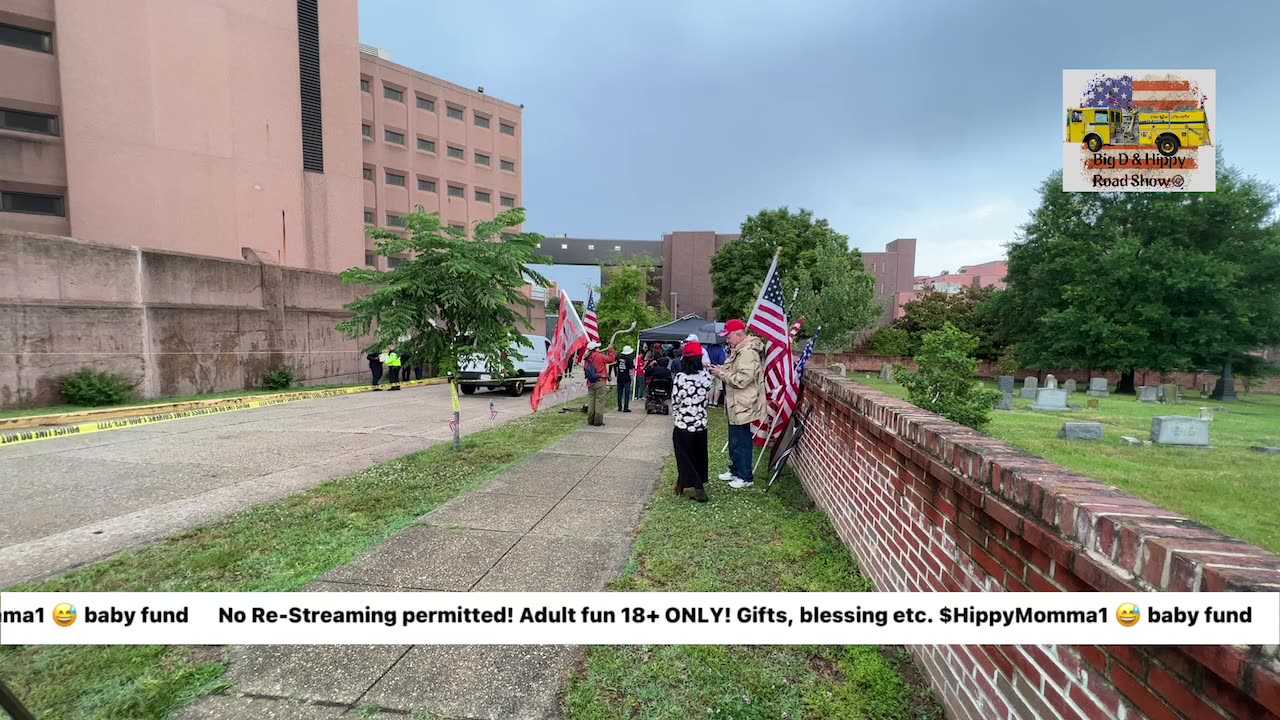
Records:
x=926, y=505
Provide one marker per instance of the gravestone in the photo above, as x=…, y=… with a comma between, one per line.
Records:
x=1029, y=388
x=1169, y=394
x=1098, y=387
x=1266, y=450
x=1051, y=399
x=886, y=372
x=838, y=368
x=1081, y=431
x=1180, y=430
x=1005, y=383
x=1148, y=393
x=1093, y=403
x=1006, y=401
x=1069, y=386
x=1051, y=382
x=1132, y=440
x=1206, y=414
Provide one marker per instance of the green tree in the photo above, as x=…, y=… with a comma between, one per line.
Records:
x=553, y=305
x=945, y=381
x=1158, y=281
x=834, y=293
x=889, y=341
x=623, y=298
x=738, y=268
x=454, y=298
x=933, y=309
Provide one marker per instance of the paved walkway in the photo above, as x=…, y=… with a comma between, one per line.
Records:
x=69, y=501
x=561, y=521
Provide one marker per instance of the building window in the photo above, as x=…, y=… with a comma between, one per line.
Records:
x=28, y=122
x=482, y=196
x=617, y=248
x=368, y=173
x=368, y=259
x=395, y=220
x=458, y=227
x=482, y=159
x=454, y=112
x=456, y=191
x=309, y=86
x=481, y=121
x=395, y=179
x=394, y=137
x=591, y=247
x=26, y=38
x=391, y=93
x=507, y=201
x=425, y=185
x=457, y=153
x=32, y=203
x=507, y=129
x=364, y=87
x=367, y=131
x=426, y=145
x=368, y=217
x=507, y=165
x=426, y=104
x=564, y=246
x=394, y=262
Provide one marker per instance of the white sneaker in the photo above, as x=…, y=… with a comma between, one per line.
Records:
x=739, y=483
x=728, y=476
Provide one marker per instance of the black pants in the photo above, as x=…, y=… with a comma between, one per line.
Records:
x=394, y=372
x=624, y=394
x=417, y=373
x=377, y=373
x=691, y=457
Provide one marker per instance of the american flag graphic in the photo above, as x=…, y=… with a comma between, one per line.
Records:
x=769, y=321
x=589, y=318
x=1151, y=93
x=493, y=411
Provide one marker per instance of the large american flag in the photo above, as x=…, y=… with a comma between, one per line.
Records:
x=589, y=318
x=769, y=321
x=1152, y=93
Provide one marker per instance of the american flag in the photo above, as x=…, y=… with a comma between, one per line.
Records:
x=1152, y=93
x=795, y=327
x=804, y=358
x=453, y=426
x=493, y=411
x=769, y=321
x=589, y=318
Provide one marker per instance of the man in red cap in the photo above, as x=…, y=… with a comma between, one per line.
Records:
x=745, y=401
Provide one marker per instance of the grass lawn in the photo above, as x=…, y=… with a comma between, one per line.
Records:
x=1230, y=488
x=280, y=546
x=743, y=540
x=24, y=412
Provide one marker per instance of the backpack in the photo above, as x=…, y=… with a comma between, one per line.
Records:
x=589, y=369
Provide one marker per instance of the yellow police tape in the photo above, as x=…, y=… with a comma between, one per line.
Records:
x=23, y=436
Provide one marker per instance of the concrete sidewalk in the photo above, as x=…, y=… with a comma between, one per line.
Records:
x=562, y=520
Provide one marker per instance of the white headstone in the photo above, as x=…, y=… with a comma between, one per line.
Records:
x=1206, y=413
x=1029, y=388
x=1179, y=430
x=1098, y=387
x=886, y=372
x=1069, y=386
x=1050, y=399
x=1050, y=382
x=1148, y=393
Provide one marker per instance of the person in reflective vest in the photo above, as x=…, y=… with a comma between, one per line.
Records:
x=392, y=361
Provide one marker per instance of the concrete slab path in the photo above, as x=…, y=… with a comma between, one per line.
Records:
x=563, y=520
x=69, y=501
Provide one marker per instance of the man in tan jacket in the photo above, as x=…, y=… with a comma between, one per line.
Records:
x=745, y=400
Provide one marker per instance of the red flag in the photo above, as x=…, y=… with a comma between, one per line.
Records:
x=769, y=321
x=569, y=339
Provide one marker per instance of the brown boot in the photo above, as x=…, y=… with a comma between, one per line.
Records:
x=679, y=489
x=700, y=495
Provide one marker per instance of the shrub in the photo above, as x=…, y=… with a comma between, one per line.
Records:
x=889, y=341
x=945, y=381
x=279, y=379
x=1008, y=362
x=91, y=388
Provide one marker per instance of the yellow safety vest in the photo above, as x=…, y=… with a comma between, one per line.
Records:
x=393, y=360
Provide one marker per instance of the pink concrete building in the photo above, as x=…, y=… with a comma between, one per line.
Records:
x=432, y=143
x=894, y=273
x=988, y=274
x=686, y=271
x=201, y=126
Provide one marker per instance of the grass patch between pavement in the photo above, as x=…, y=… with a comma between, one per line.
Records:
x=281, y=546
x=1230, y=488
x=743, y=541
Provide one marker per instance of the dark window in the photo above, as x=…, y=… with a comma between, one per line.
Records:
x=426, y=185
x=368, y=173
x=391, y=93
x=26, y=38
x=482, y=159
x=395, y=179
x=368, y=217
x=507, y=201
x=394, y=262
x=368, y=259
x=508, y=166
x=393, y=137
x=507, y=129
x=395, y=220
x=455, y=191
x=364, y=87
x=426, y=104
x=458, y=228
x=457, y=153
x=309, y=85
x=427, y=145
x=366, y=130
x=483, y=197
x=28, y=122
x=481, y=121
x=1077, y=116
x=32, y=203
x=454, y=112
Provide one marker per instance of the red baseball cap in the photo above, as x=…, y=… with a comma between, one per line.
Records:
x=733, y=326
x=692, y=348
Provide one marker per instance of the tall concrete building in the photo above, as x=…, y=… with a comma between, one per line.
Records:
x=894, y=271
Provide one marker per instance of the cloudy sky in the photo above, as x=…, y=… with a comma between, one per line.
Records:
x=933, y=119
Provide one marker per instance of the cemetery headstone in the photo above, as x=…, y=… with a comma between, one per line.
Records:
x=1029, y=388
x=1081, y=431
x=1206, y=413
x=1130, y=440
x=1098, y=387
x=886, y=372
x=1005, y=383
x=1069, y=386
x=1051, y=399
x=838, y=368
x=1180, y=430
x=1148, y=393
x=1266, y=450
x=1006, y=401
x=1169, y=394
x=1051, y=382
x=1093, y=403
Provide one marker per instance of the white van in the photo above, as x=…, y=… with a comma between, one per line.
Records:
x=529, y=363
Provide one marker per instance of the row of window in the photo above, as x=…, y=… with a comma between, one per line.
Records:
x=33, y=203
x=396, y=179
x=24, y=121
x=425, y=145
x=451, y=110
x=26, y=38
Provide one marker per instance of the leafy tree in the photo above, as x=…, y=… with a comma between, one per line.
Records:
x=945, y=379
x=834, y=293
x=623, y=296
x=1158, y=281
x=889, y=341
x=933, y=309
x=1007, y=364
x=453, y=297
x=553, y=305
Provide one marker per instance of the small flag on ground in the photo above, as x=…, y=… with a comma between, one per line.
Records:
x=453, y=426
x=493, y=411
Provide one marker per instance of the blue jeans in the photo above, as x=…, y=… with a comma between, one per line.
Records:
x=740, y=451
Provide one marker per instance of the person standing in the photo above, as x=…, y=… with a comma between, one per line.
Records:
x=375, y=367
x=392, y=361
x=716, y=357
x=689, y=416
x=596, y=367
x=625, y=368
x=745, y=401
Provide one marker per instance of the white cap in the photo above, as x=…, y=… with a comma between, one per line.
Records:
x=592, y=345
x=627, y=350
x=693, y=337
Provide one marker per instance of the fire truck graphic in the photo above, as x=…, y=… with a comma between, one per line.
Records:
x=1166, y=131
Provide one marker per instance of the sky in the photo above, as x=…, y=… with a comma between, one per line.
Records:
x=932, y=119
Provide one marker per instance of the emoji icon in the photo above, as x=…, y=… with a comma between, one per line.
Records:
x=64, y=615
x=1128, y=614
